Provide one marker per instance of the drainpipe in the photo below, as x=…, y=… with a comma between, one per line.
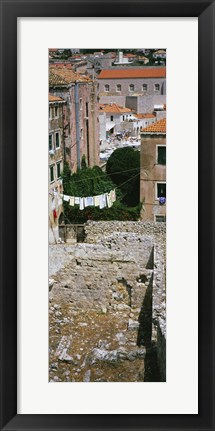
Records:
x=77, y=124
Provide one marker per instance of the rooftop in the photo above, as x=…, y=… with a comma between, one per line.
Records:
x=144, y=116
x=146, y=72
x=65, y=76
x=53, y=98
x=158, y=127
x=114, y=109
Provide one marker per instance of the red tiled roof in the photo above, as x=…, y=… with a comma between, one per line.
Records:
x=144, y=116
x=114, y=109
x=146, y=72
x=64, y=76
x=53, y=98
x=158, y=127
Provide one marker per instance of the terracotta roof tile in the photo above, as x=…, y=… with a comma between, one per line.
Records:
x=158, y=127
x=114, y=108
x=53, y=98
x=146, y=72
x=65, y=76
x=144, y=116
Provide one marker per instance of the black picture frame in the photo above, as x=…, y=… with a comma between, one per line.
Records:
x=10, y=11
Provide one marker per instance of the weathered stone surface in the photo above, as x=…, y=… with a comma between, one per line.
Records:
x=133, y=324
x=102, y=289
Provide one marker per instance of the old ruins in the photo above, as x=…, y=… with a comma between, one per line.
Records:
x=107, y=304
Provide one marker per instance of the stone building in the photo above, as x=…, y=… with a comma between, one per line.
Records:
x=111, y=118
x=117, y=83
x=144, y=120
x=81, y=122
x=56, y=163
x=143, y=104
x=153, y=172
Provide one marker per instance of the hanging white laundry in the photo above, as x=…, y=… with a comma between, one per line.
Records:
x=97, y=200
x=56, y=201
x=53, y=205
x=60, y=201
x=81, y=203
x=109, y=200
x=89, y=201
x=77, y=200
x=66, y=198
x=72, y=201
x=113, y=195
x=102, y=203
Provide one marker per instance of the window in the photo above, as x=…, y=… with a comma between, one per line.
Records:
x=145, y=86
x=81, y=107
x=57, y=139
x=50, y=142
x=161, y=155
x=123, y=118
x=50, y=112
x=58, y=164
x=160, y=218
x=107, y=87
x=131, y=87
x=157, y=87
x=81, y=133
x=111, y=118
x=56, y=111
x=52, y=173
x=118, y=87
x=161, y=190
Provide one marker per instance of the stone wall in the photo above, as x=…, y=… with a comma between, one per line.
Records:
x=119, y=272
x=101, y=229
x=143, y=104
x=114, y=273
x=138, y=86
x=159, y=304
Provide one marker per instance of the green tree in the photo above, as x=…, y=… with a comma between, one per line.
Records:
x=123, y=167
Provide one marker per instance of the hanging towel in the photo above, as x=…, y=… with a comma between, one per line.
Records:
x=102, y=203
x=97, y=200
x=77, y=200
x=66, y=198
x=109, y=200
x=113, y=195
x=89, y=201
x=53, y=204
x=81, y=203
x=72, y=201
x=60, y=201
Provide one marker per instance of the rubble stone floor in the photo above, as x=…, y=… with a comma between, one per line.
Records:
x=95, y=343
x=93, y=346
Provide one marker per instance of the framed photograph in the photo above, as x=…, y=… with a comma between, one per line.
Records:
x=107, y=290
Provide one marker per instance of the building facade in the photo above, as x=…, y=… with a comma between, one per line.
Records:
x=153, y=172
x=56, y=163
x=126, y=82
x=112, y=117
x=143, y=104
x=81, y=119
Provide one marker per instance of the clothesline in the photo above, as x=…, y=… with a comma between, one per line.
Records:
x=102, y=201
